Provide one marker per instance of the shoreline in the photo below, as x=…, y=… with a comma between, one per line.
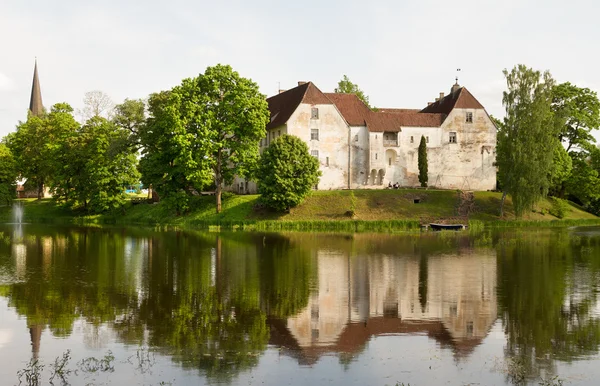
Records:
x=382, y=211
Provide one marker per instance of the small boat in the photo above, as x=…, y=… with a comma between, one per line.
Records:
x=448, y=227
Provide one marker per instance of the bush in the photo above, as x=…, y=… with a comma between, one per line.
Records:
x=287, y=173
x=559, y=208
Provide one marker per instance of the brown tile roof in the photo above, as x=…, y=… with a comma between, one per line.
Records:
x=283, y=105
x=460, y=99
x=379, y=121
x=354, y=111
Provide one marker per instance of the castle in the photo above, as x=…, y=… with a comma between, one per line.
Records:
x=361, y=148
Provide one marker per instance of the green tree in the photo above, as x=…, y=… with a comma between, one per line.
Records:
x=232, y=114
x=345, y=86
x=8, y=175
x=423, y=162
x=583, y=184
x=130, y=116
x=287, y=173
x=578, y=111
x=30, y=146
x=64, y=130
x=208, y=126
x=528, y=138
x=562, y=166
x=109, y=165
x=171, y=155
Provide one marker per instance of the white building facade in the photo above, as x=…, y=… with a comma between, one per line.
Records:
x=358, y=148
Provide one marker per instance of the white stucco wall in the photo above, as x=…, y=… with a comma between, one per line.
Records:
x=332, y=144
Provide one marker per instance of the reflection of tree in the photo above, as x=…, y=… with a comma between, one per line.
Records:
x=173, y=291
x=287, y=274
x=546, y=293
x=215, y=325
x=423, y=274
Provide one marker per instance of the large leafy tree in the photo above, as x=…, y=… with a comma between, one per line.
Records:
x=108, y=165
x=171, y=152
x=578, y=112
x=31, y=147
x=63, y=130
x=8, y=175
x=423, y=162
x=208, y=126
x=287, y=173
x=130, y=116
x=346, y=86
x=527, y=139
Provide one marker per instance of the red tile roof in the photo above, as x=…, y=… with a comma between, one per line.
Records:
x=354, y=111
x=460, y=99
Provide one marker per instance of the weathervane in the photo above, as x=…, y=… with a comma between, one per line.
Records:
x=457, y=71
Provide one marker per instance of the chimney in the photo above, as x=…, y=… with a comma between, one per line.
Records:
x=281, y=90
x=429, y=103
x=441, y=95
x=301, y=82
x=455, y=87
x=437, y=99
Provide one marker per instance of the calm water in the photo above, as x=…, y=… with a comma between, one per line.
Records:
x=139, y=307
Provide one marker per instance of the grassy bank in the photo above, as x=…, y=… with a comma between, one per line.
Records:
x=358, y=210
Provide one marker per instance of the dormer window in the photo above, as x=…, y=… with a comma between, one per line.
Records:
x=314, y=113
x=469, y=118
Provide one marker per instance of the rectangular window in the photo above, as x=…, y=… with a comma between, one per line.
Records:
x=279, y=133
x=375, y=155
x=314, y=134
x=452, y=138
x=326, y=161
x=469, y=118
x=412, y=139
x=314, y=113
x=314, y=153
x=427, y=139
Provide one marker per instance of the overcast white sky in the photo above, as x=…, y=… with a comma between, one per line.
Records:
x=402, y=54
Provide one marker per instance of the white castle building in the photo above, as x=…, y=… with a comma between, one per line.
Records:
x=361, y=148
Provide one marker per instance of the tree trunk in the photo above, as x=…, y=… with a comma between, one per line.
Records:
x=40, y=190
x=502, y=204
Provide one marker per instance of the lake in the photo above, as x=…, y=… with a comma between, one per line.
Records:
x=139, y=306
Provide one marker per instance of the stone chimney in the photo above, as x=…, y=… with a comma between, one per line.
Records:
x=301, y=82
x=441, y=95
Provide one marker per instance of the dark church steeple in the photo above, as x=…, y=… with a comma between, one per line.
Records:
x=35, y=103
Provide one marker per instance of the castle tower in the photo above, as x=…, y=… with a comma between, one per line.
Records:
x=35, y=103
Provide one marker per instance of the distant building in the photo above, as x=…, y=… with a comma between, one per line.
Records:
x=360, y=148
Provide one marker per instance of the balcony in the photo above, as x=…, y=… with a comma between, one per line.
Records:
x=390, y=142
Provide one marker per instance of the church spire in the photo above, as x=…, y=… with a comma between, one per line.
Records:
x=35, y=103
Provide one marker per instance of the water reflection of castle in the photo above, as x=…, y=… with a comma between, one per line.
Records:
x=450, y=298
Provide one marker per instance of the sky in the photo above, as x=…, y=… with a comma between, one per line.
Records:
x=400, y=53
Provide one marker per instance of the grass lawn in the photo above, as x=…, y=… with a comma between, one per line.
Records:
x=383, y=205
